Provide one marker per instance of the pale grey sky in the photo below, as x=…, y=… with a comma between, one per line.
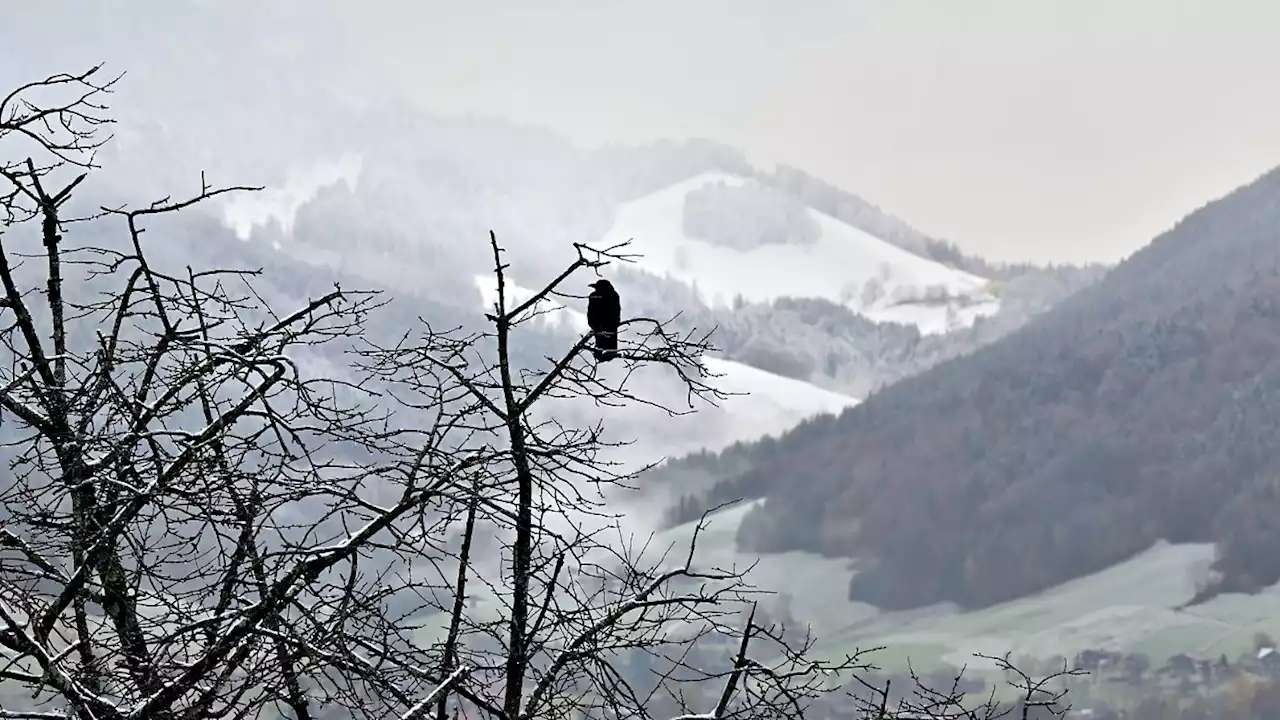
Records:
x=1039, y=129
x=1021, y=129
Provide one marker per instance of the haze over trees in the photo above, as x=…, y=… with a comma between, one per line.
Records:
x=747, y=216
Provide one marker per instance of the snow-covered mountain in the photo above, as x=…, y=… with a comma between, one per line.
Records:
x=811, y=310
x=843, y=264
x=805, y=324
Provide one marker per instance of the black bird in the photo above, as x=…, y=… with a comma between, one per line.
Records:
x=604, y=314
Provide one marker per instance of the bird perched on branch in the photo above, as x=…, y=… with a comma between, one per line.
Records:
x=604, y=314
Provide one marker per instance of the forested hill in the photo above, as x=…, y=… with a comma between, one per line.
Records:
x=1146, y=406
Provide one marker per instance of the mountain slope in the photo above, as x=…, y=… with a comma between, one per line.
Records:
x=1142, y=408
x=1132, y=606
x=418, y=193
x=838, y=265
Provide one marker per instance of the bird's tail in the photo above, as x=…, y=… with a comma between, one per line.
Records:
x=606, y=346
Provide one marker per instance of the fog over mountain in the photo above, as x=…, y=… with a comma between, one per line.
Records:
x=909, y=441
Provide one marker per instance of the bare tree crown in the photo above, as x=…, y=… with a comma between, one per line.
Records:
x=196, y=526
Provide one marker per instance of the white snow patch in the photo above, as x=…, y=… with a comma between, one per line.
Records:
x=760, y=402
x=245, y=211
x=770, y=404
x=548, y=312
x=1133, y=606
x=837, y=267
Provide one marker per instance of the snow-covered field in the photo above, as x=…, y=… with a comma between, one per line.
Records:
x=837, y=267
x=1129, y=607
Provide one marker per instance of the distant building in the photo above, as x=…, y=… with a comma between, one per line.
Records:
x=1093, y=661
x=1269, y=658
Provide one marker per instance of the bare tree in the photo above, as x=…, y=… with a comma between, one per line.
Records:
x=577, y=600
x=197, y=527
x=948, y=697
x=164, y=438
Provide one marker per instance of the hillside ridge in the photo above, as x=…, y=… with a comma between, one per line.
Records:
x=1138, y=409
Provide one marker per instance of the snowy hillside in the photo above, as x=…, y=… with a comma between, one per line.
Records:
x=760, y=403
x=1133, y=606
x=844, y=264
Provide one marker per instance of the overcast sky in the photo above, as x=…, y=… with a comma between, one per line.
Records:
x=1022, y=129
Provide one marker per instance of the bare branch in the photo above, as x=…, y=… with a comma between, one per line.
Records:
x=221, y=508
